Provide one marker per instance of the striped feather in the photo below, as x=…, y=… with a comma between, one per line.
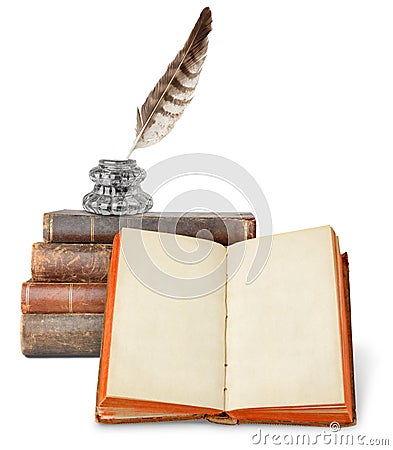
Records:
x=174, y=91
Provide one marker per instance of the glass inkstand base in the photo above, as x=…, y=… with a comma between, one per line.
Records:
x=117, y=189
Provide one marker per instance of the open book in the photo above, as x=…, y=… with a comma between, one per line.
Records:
x=197, y=338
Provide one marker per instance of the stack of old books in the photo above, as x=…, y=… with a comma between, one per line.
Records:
x=63, y=302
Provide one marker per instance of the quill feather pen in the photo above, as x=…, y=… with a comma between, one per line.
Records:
x=175, y=89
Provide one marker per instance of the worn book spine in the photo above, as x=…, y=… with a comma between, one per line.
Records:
x=61, y=298
x=83, y=263
x=61, y=334
x=74, y=226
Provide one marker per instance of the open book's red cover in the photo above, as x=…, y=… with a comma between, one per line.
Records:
x=122, y=410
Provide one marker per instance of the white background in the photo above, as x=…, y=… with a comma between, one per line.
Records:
x=299, y=93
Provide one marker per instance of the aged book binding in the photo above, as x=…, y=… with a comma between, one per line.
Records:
x=86, y=263
x=74, y=226
x=277, y=349
x=58, y=298
x=61, y=334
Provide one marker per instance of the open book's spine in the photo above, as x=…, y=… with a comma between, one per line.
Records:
x=61, y=334
x=85, y=263
x=60, y=298
x=226, y=393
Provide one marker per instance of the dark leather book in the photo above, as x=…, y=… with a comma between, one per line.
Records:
x=83, y=263
x=61, y=298
x=274, y=349
x=61, y=334
x=75, y=226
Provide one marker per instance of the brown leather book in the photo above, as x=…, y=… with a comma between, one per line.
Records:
x=272, y=349
x=75, y=226
x=61, y=298
x=83, y=263
x=61, y=334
